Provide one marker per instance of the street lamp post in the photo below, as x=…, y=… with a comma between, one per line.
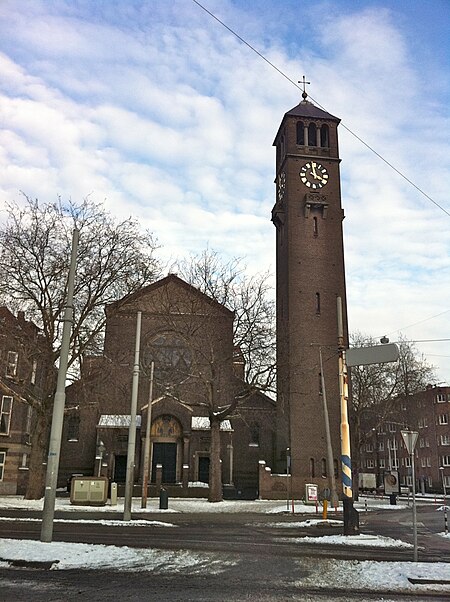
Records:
x=441, y=468
x=101, y=448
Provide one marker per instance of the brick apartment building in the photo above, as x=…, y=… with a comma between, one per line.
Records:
x=428, y=413
x=21, y=373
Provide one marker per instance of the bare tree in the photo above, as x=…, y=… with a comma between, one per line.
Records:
x=377, y=389
x=114, y=259
x=253, y=304
x=252, y=344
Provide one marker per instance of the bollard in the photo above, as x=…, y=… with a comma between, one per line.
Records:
x=163, y=499
x=113, y=494
x=325, y=509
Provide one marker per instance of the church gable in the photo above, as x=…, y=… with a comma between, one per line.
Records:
x=170, y=296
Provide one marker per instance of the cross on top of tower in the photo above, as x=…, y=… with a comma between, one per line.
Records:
x=304, y=83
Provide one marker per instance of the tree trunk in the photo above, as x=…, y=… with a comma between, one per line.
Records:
x=38, y=456
x=215, y=465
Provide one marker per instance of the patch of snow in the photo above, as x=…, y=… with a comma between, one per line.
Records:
x=111, y=523
x=355, y=540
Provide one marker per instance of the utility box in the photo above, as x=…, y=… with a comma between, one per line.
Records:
x=89, y=491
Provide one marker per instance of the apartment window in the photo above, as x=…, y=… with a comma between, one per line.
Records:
x=409, y=480
x=394, y=462
x=447, y=481
x=24, y=464
x=430, y=482
x=369, y=447
x=11, y=363
x=445, y=439
x=393, y=444
x=29, y=420
x=2, y=464
x=445, y=461
x=5, y=415
x=370, y=464
x=429, y=462
x=423, y=423
x=421, y=442
x=380, y=445
x=408, y=462
x=440, y=398
x=392, y=427
x=443, y=419
x=423, y=462
x=33, y=372
x=382, y=463
x=427, y=442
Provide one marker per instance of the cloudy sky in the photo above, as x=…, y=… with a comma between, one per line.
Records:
x=158, y=110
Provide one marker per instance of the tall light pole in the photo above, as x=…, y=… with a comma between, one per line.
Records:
x=132, y=430
x=54, y=449
x=441, y=468
x=147, y=441
x=331, y=478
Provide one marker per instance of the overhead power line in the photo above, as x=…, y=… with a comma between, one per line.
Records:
x=377, y=154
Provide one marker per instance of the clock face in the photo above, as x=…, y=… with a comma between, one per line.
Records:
x=313, y=175
x=281, y=185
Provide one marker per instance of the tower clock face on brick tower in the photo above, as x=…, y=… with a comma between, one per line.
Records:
x=314, y=175
x=310, y=277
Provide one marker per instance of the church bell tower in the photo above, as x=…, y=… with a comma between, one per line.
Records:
x=310, y=275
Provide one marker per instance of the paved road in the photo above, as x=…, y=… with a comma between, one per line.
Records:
x=264, y=562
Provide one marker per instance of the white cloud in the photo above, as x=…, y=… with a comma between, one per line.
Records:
x=164, y=114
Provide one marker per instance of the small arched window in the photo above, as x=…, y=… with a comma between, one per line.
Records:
x=312, y=470
x=324, y=136
x=312, y=134
x=317, y=303
x=300, y=133
x=324, y=467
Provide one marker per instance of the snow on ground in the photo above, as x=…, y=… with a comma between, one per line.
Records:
x=321, y=572
x=324, y=572
x=355, y=540
x=194, y=505
x=110, y=523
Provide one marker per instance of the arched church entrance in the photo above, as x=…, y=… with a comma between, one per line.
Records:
x=167, y=437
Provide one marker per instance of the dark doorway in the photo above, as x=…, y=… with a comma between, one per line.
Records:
x=203, y=469
x=120, y=469
x=165, y=454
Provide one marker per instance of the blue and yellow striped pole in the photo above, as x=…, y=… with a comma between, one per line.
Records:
x=351, y=520
x=346, y=462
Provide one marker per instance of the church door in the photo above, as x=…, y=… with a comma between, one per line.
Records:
x=165, y=454
x=203, y=469
x=120, y=469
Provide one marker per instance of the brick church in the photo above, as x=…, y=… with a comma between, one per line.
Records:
x=189, y=339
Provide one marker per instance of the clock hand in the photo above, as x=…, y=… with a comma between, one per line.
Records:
x=316, y=176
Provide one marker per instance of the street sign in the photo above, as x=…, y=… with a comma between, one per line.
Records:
x=410, y=439
x=377, y=354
